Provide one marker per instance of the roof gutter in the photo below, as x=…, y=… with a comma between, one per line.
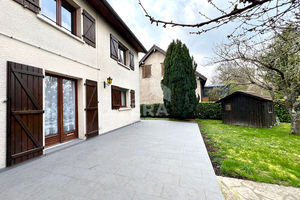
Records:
x=108, y=6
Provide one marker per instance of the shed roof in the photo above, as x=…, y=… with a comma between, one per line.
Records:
x=246, y=93
x=215, y=85
x=110, y=15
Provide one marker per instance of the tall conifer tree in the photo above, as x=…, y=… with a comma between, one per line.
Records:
x=180, y=80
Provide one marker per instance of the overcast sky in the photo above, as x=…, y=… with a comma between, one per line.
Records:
x=184, y=11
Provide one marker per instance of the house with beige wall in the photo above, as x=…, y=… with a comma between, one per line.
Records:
x=151, y=73
x=69, y=71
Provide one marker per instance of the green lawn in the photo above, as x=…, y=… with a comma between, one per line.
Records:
x=264, y=155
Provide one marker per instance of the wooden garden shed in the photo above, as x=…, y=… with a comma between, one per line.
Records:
x=248, y=109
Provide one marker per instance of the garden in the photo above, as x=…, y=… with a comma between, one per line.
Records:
x=263, y=155
x=258, y=154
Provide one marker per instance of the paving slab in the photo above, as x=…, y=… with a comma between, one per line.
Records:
x=159, y=160
x=238, y=189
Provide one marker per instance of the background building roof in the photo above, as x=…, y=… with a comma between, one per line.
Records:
x=154, y=48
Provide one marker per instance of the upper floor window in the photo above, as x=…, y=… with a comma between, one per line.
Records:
x=122, y=55
x=61, y=12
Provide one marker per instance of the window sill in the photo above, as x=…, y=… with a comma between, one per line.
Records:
x=125, y=66
x=53, y=24
x=124, y=109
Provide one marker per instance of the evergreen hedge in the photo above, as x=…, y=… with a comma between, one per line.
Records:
x=209, y=111
x=205, y=111
x=282, y=113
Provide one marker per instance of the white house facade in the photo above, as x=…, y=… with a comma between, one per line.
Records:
x=69, y=69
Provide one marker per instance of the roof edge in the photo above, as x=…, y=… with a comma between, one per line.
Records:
x=246, y=93
x=201, y=76
x=151, y=50
x=138, y=46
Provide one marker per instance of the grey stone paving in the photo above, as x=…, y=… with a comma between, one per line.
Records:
x=150, y=160
x=237, y=189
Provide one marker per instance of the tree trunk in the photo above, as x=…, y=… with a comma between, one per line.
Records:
x=295, y=121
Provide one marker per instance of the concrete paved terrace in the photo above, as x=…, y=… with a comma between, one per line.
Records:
x=151, y=160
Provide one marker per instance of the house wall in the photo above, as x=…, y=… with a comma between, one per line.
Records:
x=39, y=44
x=122, y=77
x=199, y=89
x=151, y=91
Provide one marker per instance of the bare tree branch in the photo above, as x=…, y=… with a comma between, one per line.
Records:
x=254, y=16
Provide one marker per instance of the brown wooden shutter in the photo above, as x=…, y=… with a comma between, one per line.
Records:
x=89, y=29
x=148, y=71
x=92, y=126
x=131, y=56
x=24, y=112
x=114, y=46
x=132, y=98
x=32, y=5
x=115, y=97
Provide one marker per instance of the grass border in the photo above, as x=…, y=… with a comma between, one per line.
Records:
x=212, y=149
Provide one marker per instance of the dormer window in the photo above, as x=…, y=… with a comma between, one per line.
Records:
x=61, y=12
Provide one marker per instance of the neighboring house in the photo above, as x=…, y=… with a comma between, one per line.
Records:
x=245, y=108
x=57, y=58
x=151, y=74
x=201, y=80
x=215, y=92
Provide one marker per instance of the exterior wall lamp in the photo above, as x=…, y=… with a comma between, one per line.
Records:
x=108, y=82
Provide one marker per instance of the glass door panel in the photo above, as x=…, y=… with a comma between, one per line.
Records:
x=60, y=110
x=69, y=106
x=51, y=106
